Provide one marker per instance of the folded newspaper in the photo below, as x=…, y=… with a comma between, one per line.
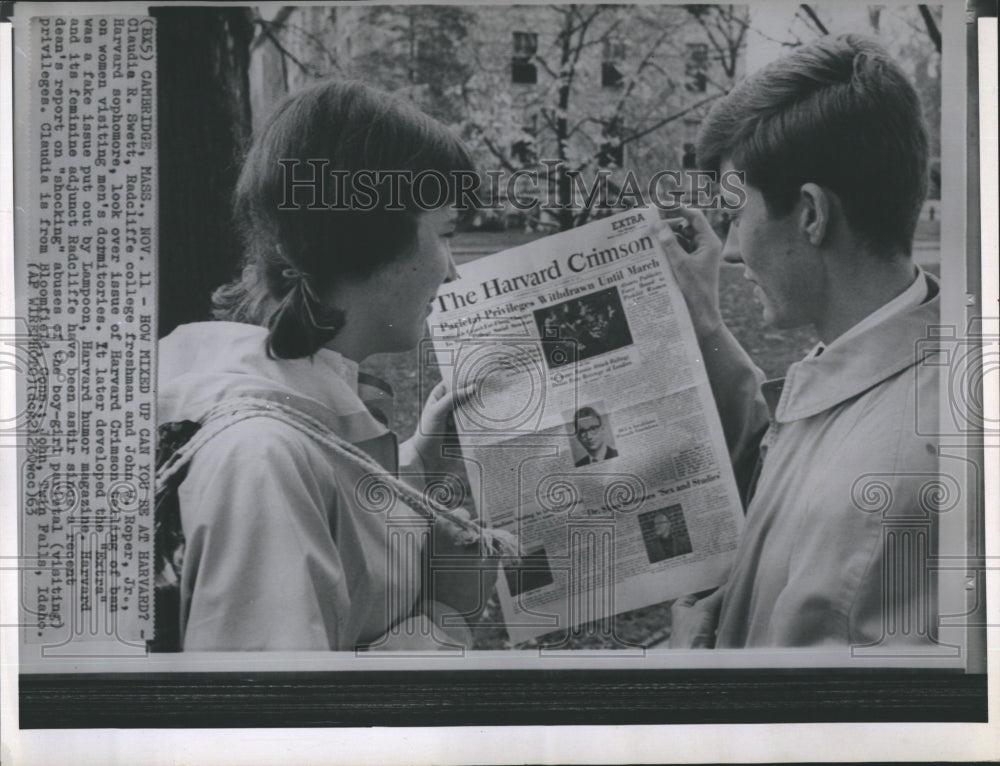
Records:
x=592, y=433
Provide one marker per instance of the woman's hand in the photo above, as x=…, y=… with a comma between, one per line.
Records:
x=694, y=620
x=697, y=271
x=462, y=568
x=437, y=427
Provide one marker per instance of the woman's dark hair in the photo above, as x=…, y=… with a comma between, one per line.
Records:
x=301, y=238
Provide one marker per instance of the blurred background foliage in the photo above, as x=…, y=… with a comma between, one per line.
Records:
x=612, y=88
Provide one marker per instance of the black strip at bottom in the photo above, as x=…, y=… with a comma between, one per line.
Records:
x=441, y=698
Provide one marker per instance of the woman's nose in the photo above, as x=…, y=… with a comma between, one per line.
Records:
x=731, y=250
x=452, y=267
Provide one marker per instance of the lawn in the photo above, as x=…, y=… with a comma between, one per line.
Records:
x=772, y=350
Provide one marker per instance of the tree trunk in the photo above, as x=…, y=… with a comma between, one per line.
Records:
x=564, y=187
x=204, y=125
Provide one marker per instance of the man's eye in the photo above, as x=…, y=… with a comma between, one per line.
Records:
x=447, y=235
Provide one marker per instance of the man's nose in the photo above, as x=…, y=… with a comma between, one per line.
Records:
x=731, y=250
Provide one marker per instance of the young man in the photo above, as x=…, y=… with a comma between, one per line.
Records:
x=592, y=437
x=834, y=148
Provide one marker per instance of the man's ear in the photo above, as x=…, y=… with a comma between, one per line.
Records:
x=817, y=209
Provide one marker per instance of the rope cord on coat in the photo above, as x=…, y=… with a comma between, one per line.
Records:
x=238, y=409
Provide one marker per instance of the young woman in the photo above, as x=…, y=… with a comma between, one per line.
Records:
x=294, y=534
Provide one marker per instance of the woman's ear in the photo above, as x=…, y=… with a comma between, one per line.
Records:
x=817, y=212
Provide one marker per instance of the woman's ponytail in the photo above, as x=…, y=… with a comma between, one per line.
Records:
x=301, y=323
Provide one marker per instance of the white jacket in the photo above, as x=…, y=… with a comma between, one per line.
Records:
x=843, y=519
x=287, y=546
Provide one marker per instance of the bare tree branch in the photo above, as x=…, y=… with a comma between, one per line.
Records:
x=815, y=19
x=498, y=153
x=285, y=53
x=277, y=22
x=551, y=73
x=932, y=29
x=660, y=123
x=585, y=121
x=548, y=119
x=643, y=63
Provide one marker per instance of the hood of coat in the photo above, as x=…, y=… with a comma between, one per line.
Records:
x=203, y=363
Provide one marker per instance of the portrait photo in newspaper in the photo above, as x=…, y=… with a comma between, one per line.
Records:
x=404, y=339
x=593, y=436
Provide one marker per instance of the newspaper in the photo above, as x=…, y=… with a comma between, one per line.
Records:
x=591, y=432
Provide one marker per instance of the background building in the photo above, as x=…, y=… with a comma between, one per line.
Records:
x=593, y=87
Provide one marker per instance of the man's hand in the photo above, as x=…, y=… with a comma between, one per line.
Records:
x=694, y=620
x=697, y=271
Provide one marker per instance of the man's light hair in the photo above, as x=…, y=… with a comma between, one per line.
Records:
x=839, y=113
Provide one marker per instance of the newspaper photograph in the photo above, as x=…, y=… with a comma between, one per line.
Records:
x=591, y=429
x=562, y=348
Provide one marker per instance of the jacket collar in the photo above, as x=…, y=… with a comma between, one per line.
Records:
x=204, y=363
x=843, y=371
